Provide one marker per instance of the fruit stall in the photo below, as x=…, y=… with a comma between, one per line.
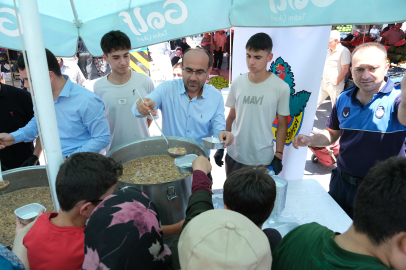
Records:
x=219, y=82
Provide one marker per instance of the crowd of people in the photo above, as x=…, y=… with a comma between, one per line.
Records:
x=100, y=227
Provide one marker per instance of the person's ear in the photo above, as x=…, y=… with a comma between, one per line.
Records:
x=104, y=57
x=403, y=243
x=226, y=207
x=86, y=209
x=51, y=76
x=270, y=56
x=387, y=67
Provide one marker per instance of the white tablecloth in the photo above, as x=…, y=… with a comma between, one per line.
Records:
x=306, y=201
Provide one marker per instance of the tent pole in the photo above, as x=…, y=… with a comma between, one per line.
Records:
x=230, y=61
x=211, y=48
x=45, y=110
x=11, y=70
x=75, y=13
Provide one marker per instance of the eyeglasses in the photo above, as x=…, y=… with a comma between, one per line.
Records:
x=96, y=202
x=179, y=75
x=189, y=72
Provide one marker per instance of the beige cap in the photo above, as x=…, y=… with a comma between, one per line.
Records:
x=223, y=239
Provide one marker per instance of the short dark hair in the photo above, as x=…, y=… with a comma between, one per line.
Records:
x=53, y=64
x=208, y=55
x=115, y=40
x=250, y=191
x=260, y=41
x=85, y=176
x=379, y=205
x=368, y=45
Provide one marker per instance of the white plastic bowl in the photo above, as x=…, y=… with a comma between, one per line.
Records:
x=29, y=211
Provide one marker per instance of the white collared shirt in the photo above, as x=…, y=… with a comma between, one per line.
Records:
x=72, y=70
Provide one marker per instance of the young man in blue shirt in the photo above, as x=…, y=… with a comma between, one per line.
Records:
x=370, y=121
x=82, y=125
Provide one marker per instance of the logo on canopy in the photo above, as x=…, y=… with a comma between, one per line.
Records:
x=298, y=4
x=155, y=20
x=10, y=33
x=297, y=102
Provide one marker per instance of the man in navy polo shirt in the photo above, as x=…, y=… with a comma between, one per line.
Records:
x=371, y=120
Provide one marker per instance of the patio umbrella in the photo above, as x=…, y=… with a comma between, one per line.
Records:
x=146, y=22
x=288, y=13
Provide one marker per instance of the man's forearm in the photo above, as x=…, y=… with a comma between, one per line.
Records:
x=281, y=137
x=341, y=76
x=229, y=123
x=38, y=148
x=230, y=119
x=323, y=139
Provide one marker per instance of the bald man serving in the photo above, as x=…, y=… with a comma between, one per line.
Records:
x=190, y=108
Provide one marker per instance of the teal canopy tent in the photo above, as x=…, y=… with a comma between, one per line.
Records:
x=288, y=13
x=146, y=22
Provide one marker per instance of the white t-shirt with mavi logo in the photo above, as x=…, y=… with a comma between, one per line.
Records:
x=256, y=106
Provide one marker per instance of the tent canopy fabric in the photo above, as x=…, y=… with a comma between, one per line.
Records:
x=289, y=13
x=149, y=22
x=146, y=22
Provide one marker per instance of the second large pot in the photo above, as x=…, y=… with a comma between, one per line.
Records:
x=170, y=198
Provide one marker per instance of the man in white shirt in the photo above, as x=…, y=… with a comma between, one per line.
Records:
x=118, y=90
x=337, y=64
x=219, y=44
x=374, y=32
x=255, y=99
x=72, y=70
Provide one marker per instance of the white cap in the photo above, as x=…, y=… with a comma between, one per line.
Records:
x=223, y=239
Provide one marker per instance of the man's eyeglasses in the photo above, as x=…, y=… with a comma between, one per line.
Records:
x=199, y=72
x=95, y=202
x=179, y=75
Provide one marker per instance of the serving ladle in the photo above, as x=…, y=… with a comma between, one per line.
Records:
x=167, y=142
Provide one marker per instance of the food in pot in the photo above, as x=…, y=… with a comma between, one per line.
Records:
x=177, y=150
x=151, y=170
x=4, y=184
x=13, y=200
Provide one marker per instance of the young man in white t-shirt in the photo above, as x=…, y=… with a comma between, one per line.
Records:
x=255, y=99
x=118, y=90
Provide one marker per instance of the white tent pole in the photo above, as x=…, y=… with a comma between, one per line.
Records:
x=230, y=61
x=38, y=68
x=75, y=14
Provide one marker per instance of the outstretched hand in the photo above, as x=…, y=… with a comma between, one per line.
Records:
x=20, y=225
x=201, y=163
x=6, y=140
x=301, y=140
x=226, y=137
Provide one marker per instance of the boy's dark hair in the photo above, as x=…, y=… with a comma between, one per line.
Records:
x=250, y=191
x=115, y=40
x=379, y=207
x=85, y=176
x=260, y=41
x=53, y=64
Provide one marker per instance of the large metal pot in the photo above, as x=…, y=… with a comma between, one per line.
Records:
x=25, y=177
x=170, y=198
